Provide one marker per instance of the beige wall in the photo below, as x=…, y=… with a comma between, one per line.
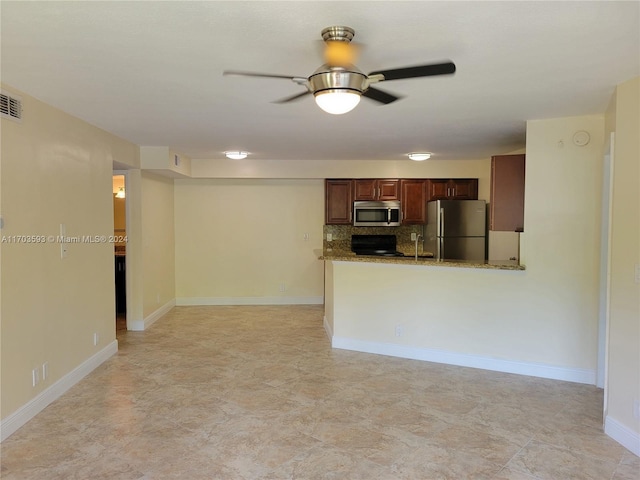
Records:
x=158, y=246
x=279, y=169
x=55, y=169
x=239, y=241
x=623, y=373
x=546, y=316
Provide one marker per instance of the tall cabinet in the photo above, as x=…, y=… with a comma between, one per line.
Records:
x=507, y=193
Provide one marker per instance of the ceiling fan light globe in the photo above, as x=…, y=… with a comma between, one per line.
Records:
x=337, y=102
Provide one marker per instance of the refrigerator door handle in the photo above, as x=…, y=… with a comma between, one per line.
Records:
x=442, y=222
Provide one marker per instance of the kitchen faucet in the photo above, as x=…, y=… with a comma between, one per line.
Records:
x=418, y=237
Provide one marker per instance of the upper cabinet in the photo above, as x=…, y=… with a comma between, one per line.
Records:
x=377, y=189
x=506, y=210
x=413, y=198
x=452, y=189
x=413, y=193
x=338, y=202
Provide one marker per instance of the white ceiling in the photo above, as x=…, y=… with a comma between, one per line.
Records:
x=151, y=72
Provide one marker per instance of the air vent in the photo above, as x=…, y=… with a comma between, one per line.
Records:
x=10, y=107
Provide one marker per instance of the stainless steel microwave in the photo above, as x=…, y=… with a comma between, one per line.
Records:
x=377, y=214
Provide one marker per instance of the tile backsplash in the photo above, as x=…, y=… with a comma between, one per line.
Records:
x=341, y=237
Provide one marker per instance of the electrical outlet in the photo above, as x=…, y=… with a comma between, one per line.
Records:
x=413, y=236
x=306, y=237
x=399, y=330
x=45, y=370
x=96, y=339
x=329, y=237
x=636, y=409
x=637, y=273
x=35, y=376
x=283, y=287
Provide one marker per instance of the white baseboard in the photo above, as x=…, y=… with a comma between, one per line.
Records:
x=141, y=325
x=464, y=360
x=17, y=419
x=184, y=301
x=623, y=435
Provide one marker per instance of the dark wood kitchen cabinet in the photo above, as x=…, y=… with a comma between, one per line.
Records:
x=506, y=208
x=377, y=189
x=452, y=189
x=338, y=201
x=413, y=198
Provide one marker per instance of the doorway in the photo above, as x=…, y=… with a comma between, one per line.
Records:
x=120, y=250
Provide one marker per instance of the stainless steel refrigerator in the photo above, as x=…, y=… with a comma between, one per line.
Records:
x=456, y=229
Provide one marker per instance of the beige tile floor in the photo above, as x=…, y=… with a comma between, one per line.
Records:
x=257, y=393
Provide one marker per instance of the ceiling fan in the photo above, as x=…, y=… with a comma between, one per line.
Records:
x=337, y=85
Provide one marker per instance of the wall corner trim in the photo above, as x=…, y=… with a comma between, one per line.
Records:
x=623, y=435
x=164, y=309
x=327, y=328
x=20, y=417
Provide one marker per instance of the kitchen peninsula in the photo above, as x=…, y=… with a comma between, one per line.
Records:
x=422, y=308
x=447, y=312
x=422, y=260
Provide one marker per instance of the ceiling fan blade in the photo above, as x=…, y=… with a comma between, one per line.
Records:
x=379, y=96
x=419, y=71
x=254, y=74
x=292, y=98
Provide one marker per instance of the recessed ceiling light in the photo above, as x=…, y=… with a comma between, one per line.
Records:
x=236, y=155
x=418, y=157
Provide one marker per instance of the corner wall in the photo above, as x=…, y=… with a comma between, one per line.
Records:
x=242, y=241
x=623, y=363
x=158, y=247
x=56, y=169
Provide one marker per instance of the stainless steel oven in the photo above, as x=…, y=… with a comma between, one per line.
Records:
x=377, y=214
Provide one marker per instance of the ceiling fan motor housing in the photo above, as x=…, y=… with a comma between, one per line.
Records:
x=336, y=78
x=338, y=34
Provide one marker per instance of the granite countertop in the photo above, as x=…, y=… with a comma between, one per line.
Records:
x=411, y=260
